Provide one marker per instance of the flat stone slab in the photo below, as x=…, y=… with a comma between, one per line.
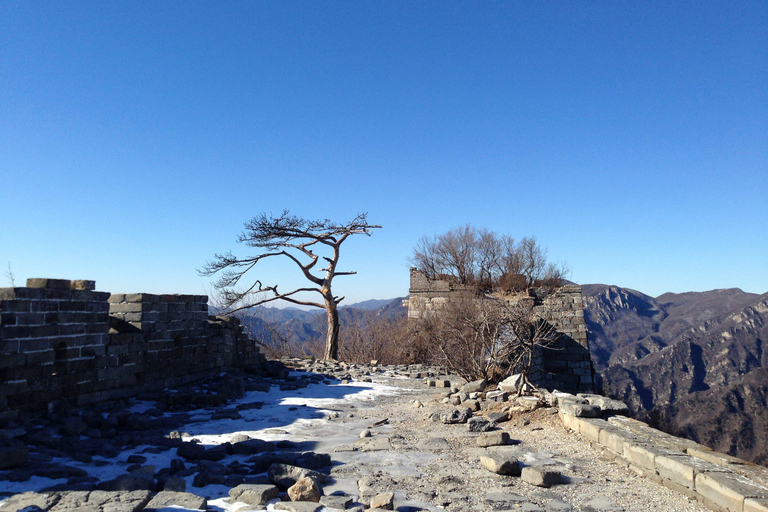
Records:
x=128, y=501
x=600, y=504
x=254, y=494
x=558, y=506
x=728, y=490
x=500, y=500
x=179, y=499
x=298, y=506
x=433, y=444
x=372, y=444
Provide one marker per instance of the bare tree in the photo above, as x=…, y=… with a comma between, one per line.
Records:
x=298, y=240
x=528, y=330
x=478, y=257
x=9, y=275
x=465, y=336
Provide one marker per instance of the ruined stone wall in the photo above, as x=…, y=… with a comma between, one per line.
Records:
x=566, y=365
x=61, y=342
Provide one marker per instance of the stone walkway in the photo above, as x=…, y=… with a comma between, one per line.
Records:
x=411, y=450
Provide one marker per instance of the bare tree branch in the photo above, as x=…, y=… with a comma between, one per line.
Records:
x=294, y=238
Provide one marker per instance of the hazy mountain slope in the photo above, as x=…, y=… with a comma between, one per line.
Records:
x=299, y=326
x=698, y=370
x=617, y=318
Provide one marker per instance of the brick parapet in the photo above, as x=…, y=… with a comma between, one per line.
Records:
x=57, y=346
x=721, y=482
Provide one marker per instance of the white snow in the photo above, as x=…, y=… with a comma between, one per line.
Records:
x=302, y=413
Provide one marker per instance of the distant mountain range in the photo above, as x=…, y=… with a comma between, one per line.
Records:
x=693, y=364
x=299, y=326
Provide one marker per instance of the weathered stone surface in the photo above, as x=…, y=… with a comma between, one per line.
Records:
x=600, y=504
x=338, y=502
x=728, y=490
x=540, y=477
x=252, y=447
x=608, y=405
x=500, y=500
x=756, y=505
x=528, y=403
x=305, y=489
x=458, y=415
x=682, y=469
x=496, y=396
x=478, y=424
x=383, y=501
x=141, y=479
x=580, y=410
x=511, y=383
x=372, y=444
x=254, y=494
x=558, y=506
x=497, y=417
x=297, y=506
x=312, y=460
x=31, y=501
x=433, y=443
x=102, y=501
x=501, y=464
x=475, y=386
x=190, y=451
x=493, y=439
x=12, y=456
x=284, y=475
x=175, y=483
x=177, y=499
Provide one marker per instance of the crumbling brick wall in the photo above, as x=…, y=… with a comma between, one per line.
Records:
x=62, y=342
x=566, y=365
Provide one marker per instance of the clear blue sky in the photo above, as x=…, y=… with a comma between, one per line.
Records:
x=631, y=138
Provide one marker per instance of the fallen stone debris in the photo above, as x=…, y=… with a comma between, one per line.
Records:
x=434, y=442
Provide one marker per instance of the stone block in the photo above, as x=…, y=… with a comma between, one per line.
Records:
x=48, y=284
x=580, y=410
x=500, y=463
x=614, y=438
x=683, y=469
x=9, y=347
x=497, y=438
x=642, y=455
x=591, y=427
x=756, y=505
x=540, y=477
x=728, y=490
x=82, y=284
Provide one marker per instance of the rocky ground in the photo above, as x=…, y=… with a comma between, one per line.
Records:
x=352, y=437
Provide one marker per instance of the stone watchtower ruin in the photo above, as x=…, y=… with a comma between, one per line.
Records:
x=566, y=365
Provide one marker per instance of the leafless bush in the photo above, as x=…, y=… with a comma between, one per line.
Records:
x=484, y=337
